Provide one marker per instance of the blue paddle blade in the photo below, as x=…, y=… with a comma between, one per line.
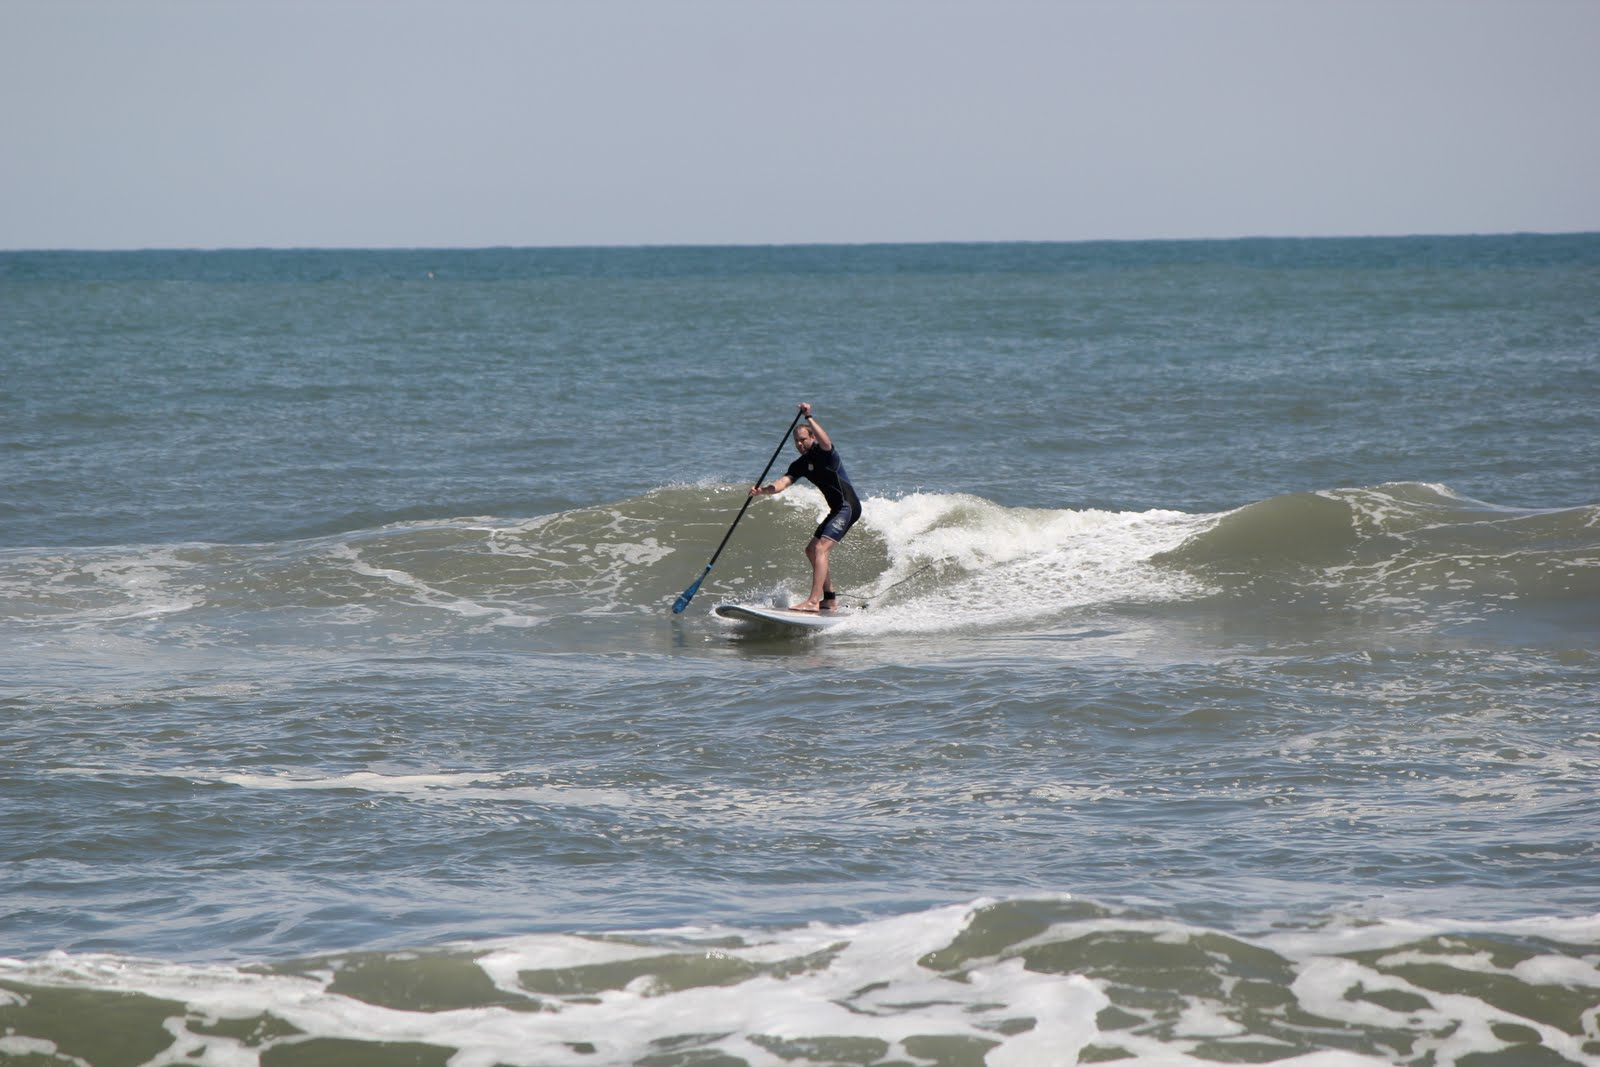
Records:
x=687, y=595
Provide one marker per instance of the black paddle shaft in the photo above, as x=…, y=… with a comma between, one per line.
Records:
x=688, y=594
x=761, y=478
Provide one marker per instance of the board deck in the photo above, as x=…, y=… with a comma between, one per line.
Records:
x=805, y=620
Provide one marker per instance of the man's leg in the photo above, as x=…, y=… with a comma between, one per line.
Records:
x=817, y=552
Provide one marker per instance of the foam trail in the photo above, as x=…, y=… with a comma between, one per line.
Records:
x=436, y=598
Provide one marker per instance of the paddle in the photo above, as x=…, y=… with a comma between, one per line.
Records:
x=688, y=594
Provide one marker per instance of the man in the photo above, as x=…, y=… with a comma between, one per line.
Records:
x=820, y=465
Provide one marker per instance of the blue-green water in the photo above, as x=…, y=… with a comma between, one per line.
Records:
x=1228, y=689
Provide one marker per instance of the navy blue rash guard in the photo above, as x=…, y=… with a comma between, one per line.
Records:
x=823, y=468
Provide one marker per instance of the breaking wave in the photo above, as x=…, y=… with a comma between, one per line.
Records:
x=924, y=561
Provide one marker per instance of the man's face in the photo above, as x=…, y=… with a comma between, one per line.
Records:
x=804, y=439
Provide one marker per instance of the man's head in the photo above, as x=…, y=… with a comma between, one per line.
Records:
x=804, y=438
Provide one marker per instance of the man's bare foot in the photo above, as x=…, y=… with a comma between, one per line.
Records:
x=806, y=605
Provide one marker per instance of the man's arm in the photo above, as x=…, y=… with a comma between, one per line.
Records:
x=774, y=489
x=816, y=427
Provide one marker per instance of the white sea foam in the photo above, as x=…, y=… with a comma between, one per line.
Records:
x=872, y=987
x=96, y=586
x=690, y=806
x=1327, y=988
x=434, y=787
x=147, y=583
x=432, y=597
x=1018, y=563
x=1330, y=985
x=869, y=981
x=37, y=1049
x=368, y=781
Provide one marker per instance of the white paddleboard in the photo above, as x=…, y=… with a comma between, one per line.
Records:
x=805, y=620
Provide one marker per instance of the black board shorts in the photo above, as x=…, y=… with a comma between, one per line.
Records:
x=839, y=521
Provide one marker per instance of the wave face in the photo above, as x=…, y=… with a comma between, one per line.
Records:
x=1013, y=983
x=1411, y=550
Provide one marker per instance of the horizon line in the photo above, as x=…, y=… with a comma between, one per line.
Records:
x=756, y=245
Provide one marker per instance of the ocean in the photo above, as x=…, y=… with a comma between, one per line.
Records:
x=1221, y=682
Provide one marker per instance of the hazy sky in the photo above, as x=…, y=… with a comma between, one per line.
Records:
x=377, y=123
